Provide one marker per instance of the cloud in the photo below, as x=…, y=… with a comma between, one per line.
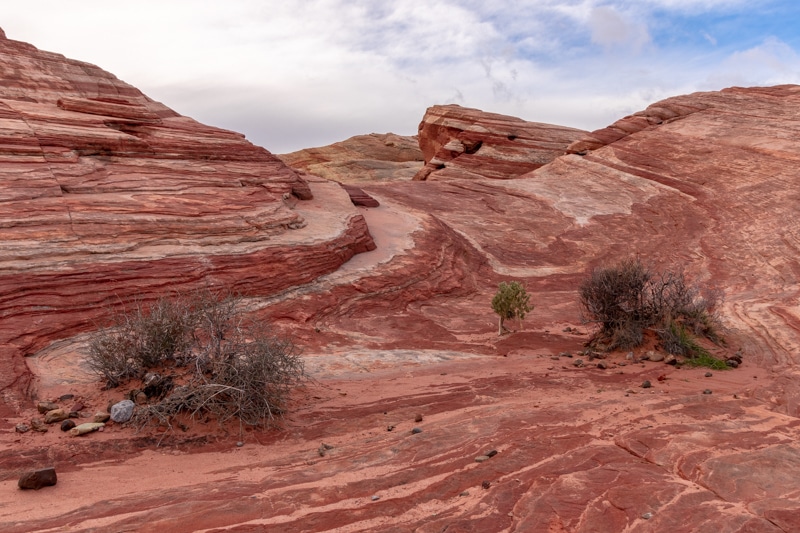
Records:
x=610, y=28
x=298, y=73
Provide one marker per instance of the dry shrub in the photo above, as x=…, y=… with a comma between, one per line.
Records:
x=628, y=298
x=231, y=366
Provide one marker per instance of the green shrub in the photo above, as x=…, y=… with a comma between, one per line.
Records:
x=510, y=301
x=628, y=298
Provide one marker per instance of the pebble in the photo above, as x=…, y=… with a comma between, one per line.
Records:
x=465, y=493
x=67, y=424
x=707, y=391
x=389, y=428
x=602, y=365
x=481, y=458
x=240, y=444
x=491, y=453
x=646, y=385
x=38, y=425
x=578, y=363
x=418, y=418
x=486, y=484
x=66, y=397
x=647, y=516
x=101, y=416
x=709, y=374
x=416, y=430
x=22, y=428
x=376, y=498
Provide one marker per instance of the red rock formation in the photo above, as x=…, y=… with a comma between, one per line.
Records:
x=105, y=194
x=407, y=329
x=467, y=143
x=364, y=158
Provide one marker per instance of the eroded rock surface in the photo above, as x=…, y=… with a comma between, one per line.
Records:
x=706, y=181
x=363, y=158
x=106, y=194
x=463, y=143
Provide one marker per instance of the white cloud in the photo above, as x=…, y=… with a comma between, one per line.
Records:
x=297, y=73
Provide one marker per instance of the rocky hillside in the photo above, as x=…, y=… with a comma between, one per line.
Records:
x=420, y=418
x=106, y=194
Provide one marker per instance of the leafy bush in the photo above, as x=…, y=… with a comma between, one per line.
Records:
x=230, y=366
x=628, y=298
x=510, y=301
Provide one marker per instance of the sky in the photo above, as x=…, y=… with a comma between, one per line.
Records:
x=293, y=74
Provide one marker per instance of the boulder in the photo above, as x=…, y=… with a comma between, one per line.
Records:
x=36, y=479
x=122, y=411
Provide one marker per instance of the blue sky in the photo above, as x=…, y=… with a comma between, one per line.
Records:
x=297, y=73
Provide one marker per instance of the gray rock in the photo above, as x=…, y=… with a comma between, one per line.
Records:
x=36, y=479
x=646, y=385
x=38, y=425
x=647, y=516
x=416, y=430
x=122, y=412
x=22, y=428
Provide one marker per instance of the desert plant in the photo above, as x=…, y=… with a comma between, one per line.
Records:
x=628, y=298
x=230, y=366
x=510, y=301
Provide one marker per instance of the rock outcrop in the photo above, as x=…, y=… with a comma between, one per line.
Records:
x=706, y=182
x=374, y=158
x=459, y=142
x=106, y=194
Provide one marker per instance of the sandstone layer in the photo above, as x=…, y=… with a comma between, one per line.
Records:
x=106, y=194
x=413, y=390
x=462, y=142
x=364, y=158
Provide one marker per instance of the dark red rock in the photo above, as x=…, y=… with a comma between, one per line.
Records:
x=464, y=143
x=45, y=477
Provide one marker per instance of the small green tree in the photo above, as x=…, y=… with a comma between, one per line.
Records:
x=511, y=301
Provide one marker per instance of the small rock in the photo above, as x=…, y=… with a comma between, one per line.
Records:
x=101, y=416
x=565, y=354
x=735, y=396
x=602, y=365
x=670, y=359
x=56, y=415
x=465, y=493
x=389, y=428
x=662, y=377
x=44, y=407
x=83, y=429
x=375, y=498
x=22, y=428
x=38, y=425
x=655, y=356
x=323, y=449
x=122, y=412
x=578, y=363
x=67, y=424
x=45, y=477
x=65, y=397
x=418, y=418
x=629, y=356
x=647, y=516
x=646, y=384
x=481, y=458
x=239, y=444
x=486, y=484
x=140, y=398
x=707, y=391
x=732, y=363
x=491, y=453
x=709, y=374
x=416, y=430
